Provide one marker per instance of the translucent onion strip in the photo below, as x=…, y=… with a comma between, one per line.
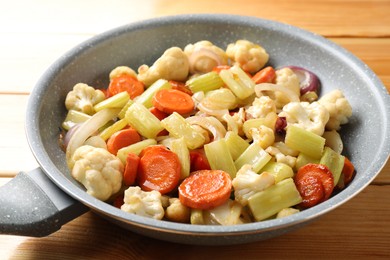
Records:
x=210, y=123
x=291, y=95
x=87, y=129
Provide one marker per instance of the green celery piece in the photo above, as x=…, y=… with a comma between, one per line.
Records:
x=109, y=131
x=267, y=203
x=334, y=161
x=74, y=117
x=255, y=156
x=219, y=157
x=304, y=141
x=304, y=159
x=279, y=170
x=147, y=96
x=122, y=113
x=179, y=146
x=134, y=148
x=236, y=144
x=116, y=101
x=141, y=119
x=238, y=82
x=178, y=127
x=268, y=121
x=205, y=82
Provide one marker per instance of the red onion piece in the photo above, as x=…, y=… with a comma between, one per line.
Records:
x=69, y=134
x=280, y=125
x=308, y=80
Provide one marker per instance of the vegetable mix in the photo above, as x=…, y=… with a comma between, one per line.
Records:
x=208, y=136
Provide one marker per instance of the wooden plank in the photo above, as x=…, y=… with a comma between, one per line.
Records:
x=358, y=234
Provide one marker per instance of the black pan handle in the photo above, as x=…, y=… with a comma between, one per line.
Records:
x=32, y=205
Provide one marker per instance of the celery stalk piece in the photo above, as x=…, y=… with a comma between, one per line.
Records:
x=304, y=159
x=238, y=82
x=236, y=144
x=205, y=82
x=334, y=161
x=74, y=117
x=116, y=101
x=134, y=148
x=304, y=141
x=122, y=113
x=147, y=96
x=179, y=146
x=279, y=170
x=267, y=203
x=255, y=156
x=178, y=127
x=109, y=131
x=141, y=119
x=219, y=157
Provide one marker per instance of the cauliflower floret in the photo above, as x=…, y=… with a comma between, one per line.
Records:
x=339, y=109
x=260, y=108
x=120, y=70
x=177, y=212
x=247, y=55
x=281, y=157
x=172, y=65
x=262, y=135
x=203, y=56
x=239, y=119
x=83, y=98
x=247, y=182
x=143, y=203
x=309, y=116
x=286, y=212
x=98, y=170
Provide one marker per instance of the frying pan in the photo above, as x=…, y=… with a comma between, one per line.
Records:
x=39, y=202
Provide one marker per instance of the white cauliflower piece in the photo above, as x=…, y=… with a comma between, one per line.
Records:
x=287, y=78
x=260, y=108
x=249, y=56
x=177, y=212
x=262, y=135
x=339, y=109
x=281, y=157
x=203, y=56
x=121, y=70
x=172, y=65
x=98, y=170
x=247, y=182
x=143, y=203
x=239, y=118
x=83, y=98
x=310, y=116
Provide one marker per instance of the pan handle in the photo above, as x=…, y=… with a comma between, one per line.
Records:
x=32, y=205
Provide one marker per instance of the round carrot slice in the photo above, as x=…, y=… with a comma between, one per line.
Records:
x=127, y=83
x=315, y=184
x=159, y=169
x=266, y=75
x=131, y=169
x=205, y=189
x=173, y=100
x=122, y=139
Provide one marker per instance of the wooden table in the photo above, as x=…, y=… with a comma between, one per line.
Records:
x=35, y=33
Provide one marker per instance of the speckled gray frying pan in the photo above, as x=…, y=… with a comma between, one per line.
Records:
x=39, y=202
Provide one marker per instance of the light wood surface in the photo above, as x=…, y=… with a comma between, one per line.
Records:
x=33, y=34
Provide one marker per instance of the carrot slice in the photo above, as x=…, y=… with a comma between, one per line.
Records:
x=118, y=201
x=159, y=169
x=315, y=184
x=348, y=171
x=205, y=189
x=198, y=160
x=181, y=86
x=158, y=113
x=266, y=75
x=127, y=83
x=131, y=169
x=122, y=139
x=172, y=100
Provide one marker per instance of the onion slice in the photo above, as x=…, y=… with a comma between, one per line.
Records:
x=308, y=81
x=87, y=129
x=275, y=87
x=199, y=53
x=209, y=123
